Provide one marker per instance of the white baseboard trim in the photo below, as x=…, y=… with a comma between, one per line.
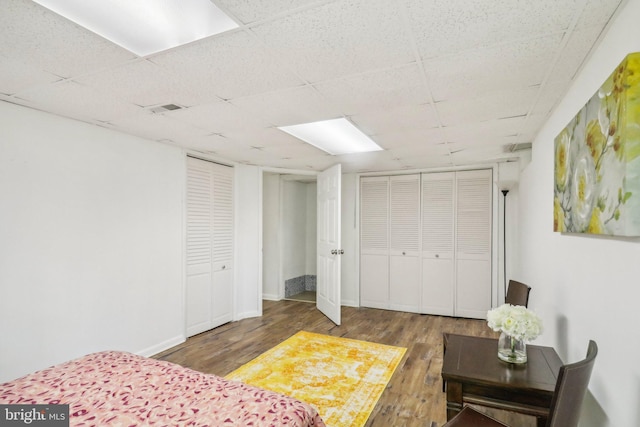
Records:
x=158, y=348
x=247, y=315
x=348, y=303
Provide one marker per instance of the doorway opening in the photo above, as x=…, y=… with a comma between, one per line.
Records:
x=289, y=237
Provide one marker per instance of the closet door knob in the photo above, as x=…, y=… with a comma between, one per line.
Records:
x=334, y=252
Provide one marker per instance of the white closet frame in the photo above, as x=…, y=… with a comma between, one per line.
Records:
x=426, y=242
x=209, y=245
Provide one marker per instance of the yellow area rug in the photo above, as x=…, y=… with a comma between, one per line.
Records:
x=342, y=378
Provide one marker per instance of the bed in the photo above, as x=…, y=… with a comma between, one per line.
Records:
x=119, y=388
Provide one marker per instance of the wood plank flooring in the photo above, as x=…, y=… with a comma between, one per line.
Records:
x=414, y=395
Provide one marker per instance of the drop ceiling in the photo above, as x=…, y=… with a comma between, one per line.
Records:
x=436, y=83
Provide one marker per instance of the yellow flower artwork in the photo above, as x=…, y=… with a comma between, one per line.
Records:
x=597, y=160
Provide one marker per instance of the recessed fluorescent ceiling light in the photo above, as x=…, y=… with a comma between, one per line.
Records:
x=338, y=136
x=145, y=26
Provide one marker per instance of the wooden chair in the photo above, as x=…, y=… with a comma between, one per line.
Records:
x=517, y=293
x=571, y=388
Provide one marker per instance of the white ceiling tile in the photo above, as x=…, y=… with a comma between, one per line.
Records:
x=597, y=12
x=139, y=82
x=365, y=162
x=511, y=65
x=401, y=118
x=158, y=127
x=549, y=96
x=270, y=138
x=377, y=91
x=427, y=162
x=292, y=151
x=79, y=101
x=248, y=11
x=228, y=65
x=410, y=138
x=289, y=107
x=443, y=27
x=339, y=38
x=406, y=152
x=484, y=154
x=372, y=61
x=531, y=126
x=16, y=76
x=250, y=156
x=210, y=143
x=33, y=34
x=574, y=53
x=317, y=163
x=218, y=117
x=484, y=133
x=496, y=105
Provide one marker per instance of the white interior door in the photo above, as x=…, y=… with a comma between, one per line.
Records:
x=199, y=268
x=329, y=244
x=209, y=245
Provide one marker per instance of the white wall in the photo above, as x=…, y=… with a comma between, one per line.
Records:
x=311, y=228
x=248, y=241
x=271, y=237
x=90, y=242
x=294, y=229
x=585, y=287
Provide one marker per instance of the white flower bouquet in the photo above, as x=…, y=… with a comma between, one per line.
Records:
x=516, y=321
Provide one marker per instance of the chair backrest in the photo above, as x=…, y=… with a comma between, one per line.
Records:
x=571, y=388
x=517, y=293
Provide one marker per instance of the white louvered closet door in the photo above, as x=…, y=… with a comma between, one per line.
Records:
x=222, y=298
x=374, y=242
x=473, y=243
x=209, y=214
x=404, y=247
x=438, y=212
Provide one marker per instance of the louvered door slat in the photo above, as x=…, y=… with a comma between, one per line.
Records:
x=222, y=214
x=374, y=221
x=438, y=214
x=374, y=242
x=404, y=251
x=473, y=243
x=404, y=224
x=474, y=214
x=199, y=214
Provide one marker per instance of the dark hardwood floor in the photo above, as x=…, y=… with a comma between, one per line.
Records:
x=414, y=395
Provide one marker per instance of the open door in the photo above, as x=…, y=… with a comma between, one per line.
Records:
x=328, y=243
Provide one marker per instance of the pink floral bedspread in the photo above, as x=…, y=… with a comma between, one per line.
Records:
x=117, y=388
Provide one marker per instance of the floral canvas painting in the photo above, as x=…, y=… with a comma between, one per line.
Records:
x=597, y=160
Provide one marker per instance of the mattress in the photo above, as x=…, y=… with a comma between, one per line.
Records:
x=119, y=388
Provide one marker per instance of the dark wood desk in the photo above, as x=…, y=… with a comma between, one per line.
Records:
x=474, y=374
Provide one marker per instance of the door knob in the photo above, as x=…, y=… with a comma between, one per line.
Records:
x=334, y=252
x=341, y=252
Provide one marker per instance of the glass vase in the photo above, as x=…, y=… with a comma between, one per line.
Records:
x=512, y=349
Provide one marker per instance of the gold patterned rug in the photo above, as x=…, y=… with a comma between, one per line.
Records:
x=342, y=378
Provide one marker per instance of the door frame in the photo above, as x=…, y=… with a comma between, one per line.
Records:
x=280, y=172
